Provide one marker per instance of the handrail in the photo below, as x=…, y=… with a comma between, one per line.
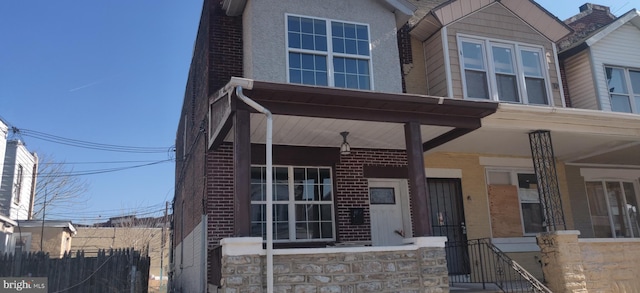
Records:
x=490, y=265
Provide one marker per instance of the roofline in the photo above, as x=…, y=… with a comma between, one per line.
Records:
x=47, y=223
x=619, y=22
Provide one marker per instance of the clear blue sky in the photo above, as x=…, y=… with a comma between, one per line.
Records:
x=114, y=72
x=106, y=71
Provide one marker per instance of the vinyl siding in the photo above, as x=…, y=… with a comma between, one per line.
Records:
x=619, y=48
x=579, y=202
x=580, y=81
x=415, y=74
x=188, y=262
x=496, y=22
x=436, y=72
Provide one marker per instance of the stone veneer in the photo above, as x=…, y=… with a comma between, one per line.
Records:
x=418, y=266
x=590, y=265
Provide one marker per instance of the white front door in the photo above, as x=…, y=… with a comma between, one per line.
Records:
x=387, y=199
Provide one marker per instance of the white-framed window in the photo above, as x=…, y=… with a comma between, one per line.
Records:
x=623, y=85
x=302, y=203
x=17, y=186
x=613, y=206
x=530, y=206
x=503, y=71
x=328, y=52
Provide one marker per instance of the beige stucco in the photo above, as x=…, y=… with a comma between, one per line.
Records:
x=56, y=240
x=92, y=239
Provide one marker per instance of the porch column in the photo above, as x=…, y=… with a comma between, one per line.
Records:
x=417, y=181
x=544, y=163
x=242, y=174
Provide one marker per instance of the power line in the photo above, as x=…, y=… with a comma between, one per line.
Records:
x=99, y=171
x=87, y=144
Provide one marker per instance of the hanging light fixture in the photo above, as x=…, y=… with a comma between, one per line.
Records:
x=345, y=148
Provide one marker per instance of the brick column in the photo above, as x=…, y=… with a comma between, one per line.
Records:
x=562, y=261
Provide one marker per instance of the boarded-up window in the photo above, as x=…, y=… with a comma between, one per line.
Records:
x=505, y=212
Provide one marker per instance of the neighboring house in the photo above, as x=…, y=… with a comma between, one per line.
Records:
x=18, y=181
x=395, y=122
x=53, y=237
x=18, y=168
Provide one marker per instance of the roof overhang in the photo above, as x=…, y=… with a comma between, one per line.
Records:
x=314, y=116
x=48, y=224
x=579, y=136
x=402, y=9
x=530, y=12
x=632, y=17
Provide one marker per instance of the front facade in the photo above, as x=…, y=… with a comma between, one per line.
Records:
x=470, y=134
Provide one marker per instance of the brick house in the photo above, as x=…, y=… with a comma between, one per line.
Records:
x=474, y=104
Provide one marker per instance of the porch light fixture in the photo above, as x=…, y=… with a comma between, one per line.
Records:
x=345, y=148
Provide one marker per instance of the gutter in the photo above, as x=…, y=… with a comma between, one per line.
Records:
x=269, y=154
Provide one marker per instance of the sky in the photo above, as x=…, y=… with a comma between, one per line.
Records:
x=103, y=71
x=114, y=72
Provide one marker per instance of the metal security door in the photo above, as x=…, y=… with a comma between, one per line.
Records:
x=447, y=219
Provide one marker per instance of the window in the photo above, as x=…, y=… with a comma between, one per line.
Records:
x=624, y=89
x=302, y=203
x=514, y=73
x=17, y=186
x=328, y=53
x=614, y=209
x=530, y=206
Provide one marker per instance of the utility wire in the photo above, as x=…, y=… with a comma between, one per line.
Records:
x=87, y=144
x=100, y=171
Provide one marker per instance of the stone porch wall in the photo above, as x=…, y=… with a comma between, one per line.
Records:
x=590, y=265
x=419, y=266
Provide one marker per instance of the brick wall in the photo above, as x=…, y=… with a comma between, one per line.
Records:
x=220, y=194
x=352, y=190
x=217, y=57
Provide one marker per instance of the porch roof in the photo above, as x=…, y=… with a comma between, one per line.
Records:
x=312, y=115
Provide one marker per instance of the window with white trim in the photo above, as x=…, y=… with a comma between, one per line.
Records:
x=614, y=208
x=623, y=85
x=17, y=185
x=530, y=206
x=302, y=203
x=503, y=71
x=328, y=53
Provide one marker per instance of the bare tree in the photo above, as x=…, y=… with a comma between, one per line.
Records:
x=57, y=189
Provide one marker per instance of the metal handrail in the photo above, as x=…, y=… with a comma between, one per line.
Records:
x=489, y=265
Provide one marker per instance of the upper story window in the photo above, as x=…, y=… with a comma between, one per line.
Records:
x=503, y=71
x=328, y=53
x=624, y=89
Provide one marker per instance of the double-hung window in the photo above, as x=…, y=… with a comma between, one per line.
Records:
x=302, y=203
x=503, y=71
x=624, y=89
x=614, y=208
x=328, y=53
x=527, y=189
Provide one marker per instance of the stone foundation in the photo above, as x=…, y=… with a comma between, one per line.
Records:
x=416, y=267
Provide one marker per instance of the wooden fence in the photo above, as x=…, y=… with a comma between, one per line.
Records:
x=122, y=270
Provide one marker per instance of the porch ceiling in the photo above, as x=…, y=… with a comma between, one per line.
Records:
x=578, y=136
x=315, y=116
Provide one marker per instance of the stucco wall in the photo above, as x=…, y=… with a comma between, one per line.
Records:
x=264, y=37
x=56, y=241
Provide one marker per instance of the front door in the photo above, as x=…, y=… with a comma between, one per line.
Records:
x=447, y=219
x=387, y=198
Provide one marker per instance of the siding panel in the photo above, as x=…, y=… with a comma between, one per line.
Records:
x=436, y=72
x=619, y=48
x=580, y=82
x=496, y=22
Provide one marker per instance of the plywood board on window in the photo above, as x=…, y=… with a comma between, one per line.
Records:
x=504, y=207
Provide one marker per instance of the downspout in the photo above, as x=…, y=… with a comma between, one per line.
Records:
x=269, y=155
